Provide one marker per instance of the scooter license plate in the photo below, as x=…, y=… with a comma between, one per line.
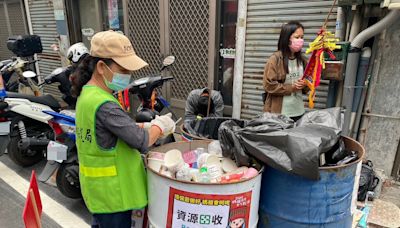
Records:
x=5, y=128
x=56, y=151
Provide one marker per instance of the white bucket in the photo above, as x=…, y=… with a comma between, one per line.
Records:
x=174, y=203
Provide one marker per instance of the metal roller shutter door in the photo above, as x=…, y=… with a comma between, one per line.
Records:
x=44, y=25
x=264, y=20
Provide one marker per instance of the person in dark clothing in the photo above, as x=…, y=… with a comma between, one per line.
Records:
x=197, y=104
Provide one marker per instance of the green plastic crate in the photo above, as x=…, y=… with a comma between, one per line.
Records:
x=340, y=54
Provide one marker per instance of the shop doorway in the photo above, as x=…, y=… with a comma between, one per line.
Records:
x=85, y=18
x=227, y=32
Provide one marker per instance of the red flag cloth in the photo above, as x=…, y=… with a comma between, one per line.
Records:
x=28, y=214
x=127, y=102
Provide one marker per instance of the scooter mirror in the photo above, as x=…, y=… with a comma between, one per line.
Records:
x=29, y=74
x=169, y=60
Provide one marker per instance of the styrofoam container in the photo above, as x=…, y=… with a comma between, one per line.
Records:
x=161, y=193
x=155, y=164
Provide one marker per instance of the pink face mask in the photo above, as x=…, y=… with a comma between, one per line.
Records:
x=296, y=45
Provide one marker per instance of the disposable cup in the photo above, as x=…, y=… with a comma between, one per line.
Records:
x=173, y=160
x=201, y=160
x=155, y=164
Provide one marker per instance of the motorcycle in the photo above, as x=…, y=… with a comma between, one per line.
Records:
x=62, y=155
x=61, y=75
x=24, y=47
x=29, y=132
x=18, y=77
x=66, y=159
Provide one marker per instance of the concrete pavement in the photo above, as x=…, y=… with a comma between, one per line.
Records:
x=58, y=210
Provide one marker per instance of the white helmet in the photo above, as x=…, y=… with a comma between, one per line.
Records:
x=76, y=51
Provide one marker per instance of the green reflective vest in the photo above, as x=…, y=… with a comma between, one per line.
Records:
x=111, y=180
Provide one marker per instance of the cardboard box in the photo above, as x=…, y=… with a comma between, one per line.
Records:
x=333, y=70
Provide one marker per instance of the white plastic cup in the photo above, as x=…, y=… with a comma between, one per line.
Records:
x=201, y=160
x=173, y=160
x=155, y=164
x=215, y=148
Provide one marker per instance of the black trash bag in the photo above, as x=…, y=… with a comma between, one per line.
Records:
x=339, y=155
x=230, y=132
x=273, y=140
x=207, y=127
x=330, y=117
x=295, y=150
x=230, y=142
x=268, y=122
x=368, y=180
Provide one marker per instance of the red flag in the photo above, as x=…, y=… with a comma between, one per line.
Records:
x=127, y=102
x=33, y=205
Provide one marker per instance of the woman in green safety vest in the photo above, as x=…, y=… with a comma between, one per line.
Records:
x=111, y=171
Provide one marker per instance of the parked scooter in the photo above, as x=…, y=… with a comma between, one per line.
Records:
x=61, y=75
x=17, y=76
x=62, y=154
x=24, y=47
x=29, y=130
x=28, y=133
x=66, y=161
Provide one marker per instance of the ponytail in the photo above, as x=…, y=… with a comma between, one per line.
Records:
x=84, y=72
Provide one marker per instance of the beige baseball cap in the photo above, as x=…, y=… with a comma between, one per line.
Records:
x=116, y=46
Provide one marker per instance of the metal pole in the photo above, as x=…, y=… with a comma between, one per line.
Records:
x=239, y=59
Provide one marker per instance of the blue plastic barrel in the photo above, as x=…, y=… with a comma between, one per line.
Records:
x=288, y=200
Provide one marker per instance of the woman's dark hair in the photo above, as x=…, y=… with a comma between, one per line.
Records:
x=83, y=73
x=284, y=40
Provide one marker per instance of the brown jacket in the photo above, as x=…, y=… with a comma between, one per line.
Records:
x=274, y=79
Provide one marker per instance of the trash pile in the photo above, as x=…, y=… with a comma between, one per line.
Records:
x=299, y=148
x=202, y=165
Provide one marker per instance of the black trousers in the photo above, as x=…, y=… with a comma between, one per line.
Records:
x=113, y=220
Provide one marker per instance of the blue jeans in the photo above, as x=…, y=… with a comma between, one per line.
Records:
x=113, y=220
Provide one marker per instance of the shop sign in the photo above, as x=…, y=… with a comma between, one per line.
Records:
x=113, y=18
x=191, y=210
x=87, y=31
x=228, y=53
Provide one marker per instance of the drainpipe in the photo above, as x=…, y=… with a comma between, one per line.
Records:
x=239, y=59
x=340, y=33
x=362, y=72
x=353, y=59
x=356, y=25
x=351, y=32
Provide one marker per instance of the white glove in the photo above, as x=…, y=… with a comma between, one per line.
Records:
x=165, y=123
x=145, y=125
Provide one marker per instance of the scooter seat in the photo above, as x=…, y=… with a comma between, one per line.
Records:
x=47, y=99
